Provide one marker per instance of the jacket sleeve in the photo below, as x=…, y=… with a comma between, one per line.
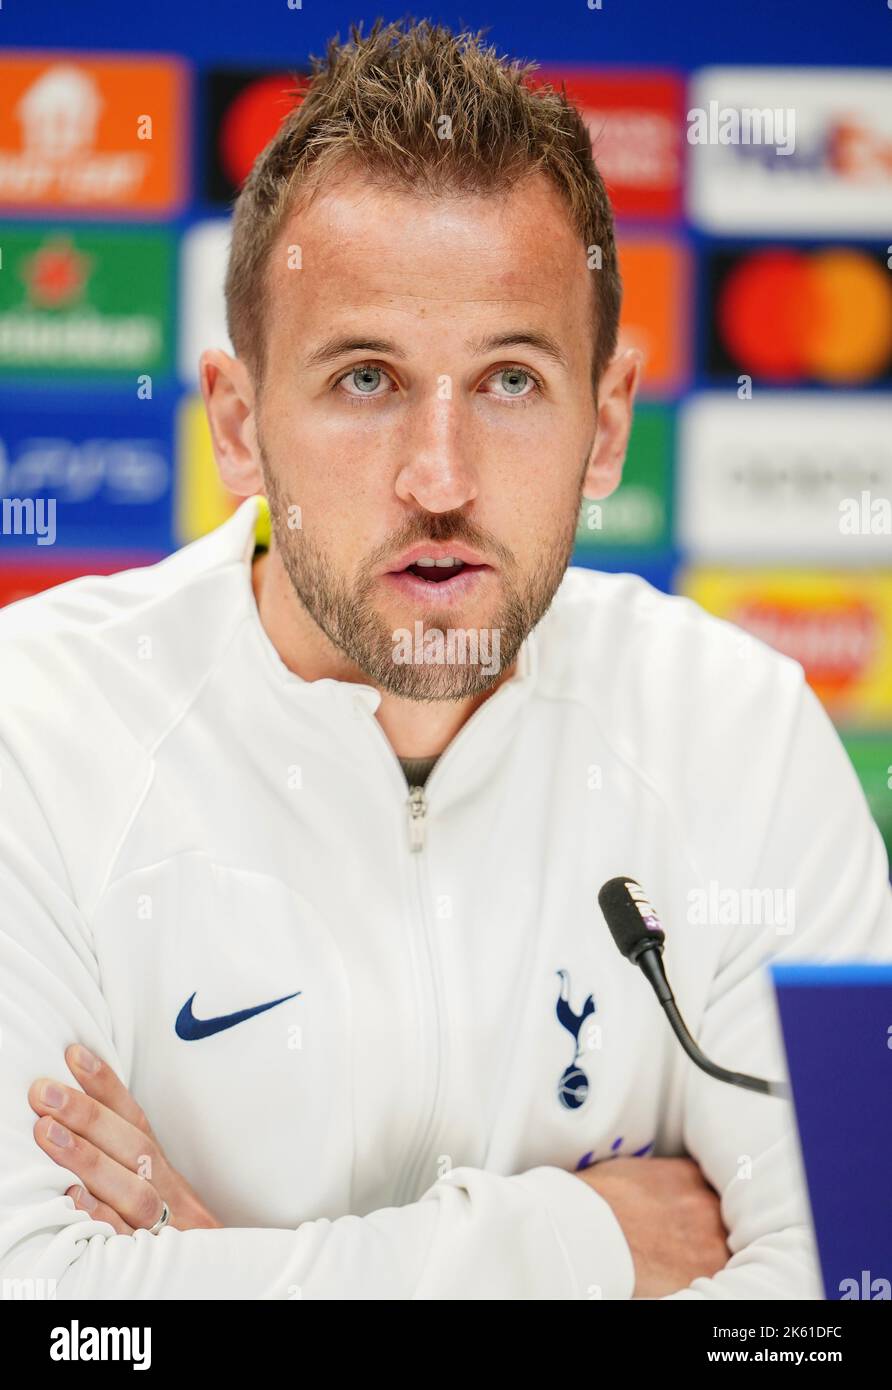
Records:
x=823, y=850
x=474, y=1234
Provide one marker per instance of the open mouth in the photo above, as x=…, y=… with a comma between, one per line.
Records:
x=439, y=571
x=444, y=580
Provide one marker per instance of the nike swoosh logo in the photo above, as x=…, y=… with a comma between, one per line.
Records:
x=190, y=1028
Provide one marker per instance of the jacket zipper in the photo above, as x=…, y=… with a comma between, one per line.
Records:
x=417, y=811
x=417, y=808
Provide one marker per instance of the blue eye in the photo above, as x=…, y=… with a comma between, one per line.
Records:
x=513, y=379
x=361, y=375
x=513, y=373
x=367, y=377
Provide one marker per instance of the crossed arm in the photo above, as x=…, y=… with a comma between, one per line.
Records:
x=474, y=1234
x=102, y=1135
x=669, y=1212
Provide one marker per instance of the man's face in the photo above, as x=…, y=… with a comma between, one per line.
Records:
x=428, y=439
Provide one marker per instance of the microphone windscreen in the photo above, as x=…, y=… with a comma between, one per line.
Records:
x=632, y=920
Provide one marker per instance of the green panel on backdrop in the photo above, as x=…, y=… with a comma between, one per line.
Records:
x=871, y=756
x=637, y=518
x=77, y=302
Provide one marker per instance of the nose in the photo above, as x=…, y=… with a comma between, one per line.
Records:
x=437, y=473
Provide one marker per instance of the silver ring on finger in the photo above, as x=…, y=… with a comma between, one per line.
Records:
x=162, y=1221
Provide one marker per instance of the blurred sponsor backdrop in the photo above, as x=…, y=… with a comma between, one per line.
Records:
x=749, y=160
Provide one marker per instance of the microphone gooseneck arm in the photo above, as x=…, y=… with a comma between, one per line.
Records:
x=649, y=960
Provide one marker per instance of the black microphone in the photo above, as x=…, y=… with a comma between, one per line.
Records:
x=636, y=929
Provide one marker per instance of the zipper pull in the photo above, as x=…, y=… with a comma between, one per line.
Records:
x=417, y=811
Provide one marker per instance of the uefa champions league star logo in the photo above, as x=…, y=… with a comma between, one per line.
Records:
x=573, y=1086
x=589, y=1158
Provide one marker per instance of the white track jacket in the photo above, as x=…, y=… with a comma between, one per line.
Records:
x=379, y=1032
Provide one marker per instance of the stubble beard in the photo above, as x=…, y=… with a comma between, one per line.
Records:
x=347, y=617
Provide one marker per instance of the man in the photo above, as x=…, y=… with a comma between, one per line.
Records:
x=358, y=1029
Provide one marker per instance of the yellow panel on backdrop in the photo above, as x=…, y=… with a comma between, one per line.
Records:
x=838, y=625
x=201, y=500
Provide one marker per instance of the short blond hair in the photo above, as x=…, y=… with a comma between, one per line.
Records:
x=377, y=103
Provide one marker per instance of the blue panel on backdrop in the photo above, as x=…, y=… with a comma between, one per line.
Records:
x=639, y=32
x=836, y=1029
x=104, y=462
x=658, y=571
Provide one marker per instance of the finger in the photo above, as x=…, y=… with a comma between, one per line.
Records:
x=92, y=1120
x=85, y=1201
x=99, y=1081
x=133, y=1198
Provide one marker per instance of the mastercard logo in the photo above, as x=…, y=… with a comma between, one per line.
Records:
x=789, y=315
x=242, y=110
x=251, y=121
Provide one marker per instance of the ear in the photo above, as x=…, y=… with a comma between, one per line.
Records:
x=229, y=399
x=616, y=394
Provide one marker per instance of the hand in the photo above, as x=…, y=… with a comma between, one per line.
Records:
x=670, y=1216
x=109, y=1143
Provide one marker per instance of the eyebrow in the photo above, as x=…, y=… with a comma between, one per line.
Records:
x=333, y=348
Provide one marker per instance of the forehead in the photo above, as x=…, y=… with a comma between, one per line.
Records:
x=363, y=245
